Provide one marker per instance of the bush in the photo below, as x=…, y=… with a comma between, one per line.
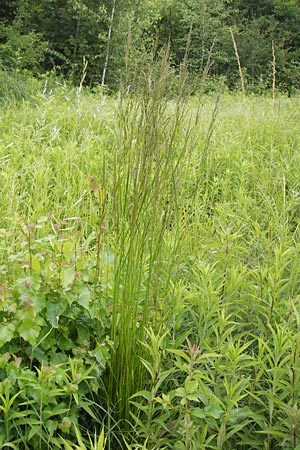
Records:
x=20, y=51
x=52, y=338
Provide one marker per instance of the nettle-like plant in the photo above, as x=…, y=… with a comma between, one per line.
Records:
x=53, y=335
x=196, y=398
x=245, y=394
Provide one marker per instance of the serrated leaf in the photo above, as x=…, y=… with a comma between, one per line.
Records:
x=6, y=332
x=29, y=330
x=100, y=353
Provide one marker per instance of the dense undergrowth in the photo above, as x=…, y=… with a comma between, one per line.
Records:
x=149, y=270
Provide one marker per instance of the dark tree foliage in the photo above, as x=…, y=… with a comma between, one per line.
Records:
x=113, y=35
x=260, y=23
x=7, y=11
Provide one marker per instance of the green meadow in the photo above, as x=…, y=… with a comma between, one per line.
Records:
x=149, y=269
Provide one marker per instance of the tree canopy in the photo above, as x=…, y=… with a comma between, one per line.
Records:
x=104, y=37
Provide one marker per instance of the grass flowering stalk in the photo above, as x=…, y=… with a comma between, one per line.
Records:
x=145, y=172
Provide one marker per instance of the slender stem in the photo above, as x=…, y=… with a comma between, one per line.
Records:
x=108, y=43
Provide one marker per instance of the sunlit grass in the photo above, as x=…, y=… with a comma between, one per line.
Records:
x=182, y=218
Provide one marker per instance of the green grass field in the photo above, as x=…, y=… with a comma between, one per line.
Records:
x=149, y=271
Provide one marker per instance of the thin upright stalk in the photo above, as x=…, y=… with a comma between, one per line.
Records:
x=243, y=87
x=112, y=15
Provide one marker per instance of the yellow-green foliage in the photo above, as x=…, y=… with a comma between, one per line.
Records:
x=149, y=271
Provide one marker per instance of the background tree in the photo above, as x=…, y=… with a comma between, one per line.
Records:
x=115, y=36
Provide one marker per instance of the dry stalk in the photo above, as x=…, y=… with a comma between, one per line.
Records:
x=238, y=61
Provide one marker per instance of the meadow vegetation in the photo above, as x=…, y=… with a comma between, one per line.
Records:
x=149, y=268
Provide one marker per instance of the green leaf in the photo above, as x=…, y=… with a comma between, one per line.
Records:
x=180, y=353
x=68, y=250
x=58, y=410
x=191, y=386
x=52, y=314
x=6, y=332
x=34, y=430
x=144, y=394
x=272, y=432
x=68, y=275
x=101, y=441
x=238, y=414
x=213, y=411
x=54, y=310
x=51, y=426
x=101, y=354
x=84, y=297
x=35, y=264
x=87, y=408
x=199, y=413
x=39, y=302
x=180, y=392
x=79, y=439
x=29, y=330
x=67, y=444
